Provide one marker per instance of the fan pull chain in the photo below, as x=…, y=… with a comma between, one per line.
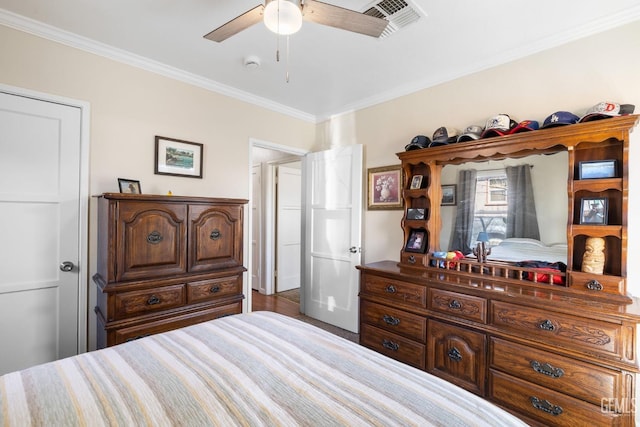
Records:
x=287, y=64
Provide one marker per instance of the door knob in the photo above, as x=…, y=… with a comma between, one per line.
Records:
x=66, y=266
x=353, y=249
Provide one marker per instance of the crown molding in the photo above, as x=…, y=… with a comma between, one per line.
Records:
x=607, y=23
x=40, y=29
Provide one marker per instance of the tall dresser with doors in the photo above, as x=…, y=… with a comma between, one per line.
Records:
x=165, y=262
x=555, y=348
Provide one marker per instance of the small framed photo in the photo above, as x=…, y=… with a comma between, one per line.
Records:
x=595, y=169
x=129, y=186
x=178, y=158
x=417, y=241
x=415, y=213
x=448, y=195
x=384, y=188
x=594, y=211
x=416, y=182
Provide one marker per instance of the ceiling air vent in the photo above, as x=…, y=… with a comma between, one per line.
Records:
x=399, y=13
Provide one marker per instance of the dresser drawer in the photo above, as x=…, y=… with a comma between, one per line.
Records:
x=458, y=355
x=579, y=379
x=393, y=320
x=207, y=290
x=597, y=283
x=395, y=291
x=544, y=405
x=393, y=345
x=580, y=333
x=134, y=303
x=459, y=305
x=119, y=336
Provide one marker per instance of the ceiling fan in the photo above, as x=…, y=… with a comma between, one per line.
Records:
x=285, y=17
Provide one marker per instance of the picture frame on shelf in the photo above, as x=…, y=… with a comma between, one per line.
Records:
x=129, y=186
x=178, y=158
x=417, y=241
x=596, y=169
x=416, y=182
x=384, y=188
x=416, y=213
x=448, y=195
x=594, y=210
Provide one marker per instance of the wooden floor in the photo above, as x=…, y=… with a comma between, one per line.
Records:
x=260, y=302
x=289, y=308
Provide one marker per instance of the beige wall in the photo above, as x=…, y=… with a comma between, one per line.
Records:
x=573, y=77
x=130, y=106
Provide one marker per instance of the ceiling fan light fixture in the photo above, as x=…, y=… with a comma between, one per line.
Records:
x=283, y=17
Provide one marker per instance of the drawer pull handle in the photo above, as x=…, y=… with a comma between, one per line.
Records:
x=546, y=325
x=546, y=369
x=153, y=300
x=390, y=345
x=215, y=234
x=154, y=237
x=546, y=406
x=411, y=259
x=214, y=289
x=455, y=305
x=455, y=355
x=390, y=320
x=594, y=285
x=390, y=289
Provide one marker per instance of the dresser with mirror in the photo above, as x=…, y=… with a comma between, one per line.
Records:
x=539, y=322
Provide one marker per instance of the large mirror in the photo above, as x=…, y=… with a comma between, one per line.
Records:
x=486, y=217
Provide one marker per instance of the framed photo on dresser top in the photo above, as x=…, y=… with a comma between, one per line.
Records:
x=417, y=241
x=594, y=211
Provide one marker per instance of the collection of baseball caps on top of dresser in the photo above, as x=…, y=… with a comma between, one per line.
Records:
x=502, y=124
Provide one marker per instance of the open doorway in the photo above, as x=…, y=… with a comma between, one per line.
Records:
x=275, y=217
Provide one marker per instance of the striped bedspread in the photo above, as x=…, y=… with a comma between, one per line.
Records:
x=250, y=369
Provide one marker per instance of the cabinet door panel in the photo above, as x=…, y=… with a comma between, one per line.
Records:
x=457, y=355
x=151, y=240
x=215, y=237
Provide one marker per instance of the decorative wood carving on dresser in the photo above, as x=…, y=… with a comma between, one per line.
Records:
x=553, y=354
x=165, y=262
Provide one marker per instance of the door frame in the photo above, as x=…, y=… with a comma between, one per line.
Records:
x=83, y=214
x=267, y=259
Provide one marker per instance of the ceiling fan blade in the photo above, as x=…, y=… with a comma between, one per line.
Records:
x=338, y=17
x=236, y=25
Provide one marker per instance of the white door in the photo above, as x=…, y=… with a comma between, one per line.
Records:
x=256, y=228
x=39, y=223
x=332, y=240
x=288, y=230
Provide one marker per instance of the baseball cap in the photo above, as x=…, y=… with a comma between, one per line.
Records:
x=443, y=136
x=560, y=118
x=498, y=126
x=418, y=142
x=471, y=133
x=604, y=110
x=525, y=126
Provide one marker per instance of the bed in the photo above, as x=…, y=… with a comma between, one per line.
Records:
x=520, y=249
x=250, y=369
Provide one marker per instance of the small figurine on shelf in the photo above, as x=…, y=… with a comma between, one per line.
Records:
x=481, y=251
x=593, y=257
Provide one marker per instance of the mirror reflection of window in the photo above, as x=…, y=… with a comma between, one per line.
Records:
x=490, y=211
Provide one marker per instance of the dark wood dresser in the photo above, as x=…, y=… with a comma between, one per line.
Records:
x=550, y=356
x=554, y=353
x=165, y=262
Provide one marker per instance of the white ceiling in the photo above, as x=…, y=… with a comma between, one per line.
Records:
x=331, y=70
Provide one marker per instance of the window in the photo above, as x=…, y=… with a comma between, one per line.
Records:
x=490, y=212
